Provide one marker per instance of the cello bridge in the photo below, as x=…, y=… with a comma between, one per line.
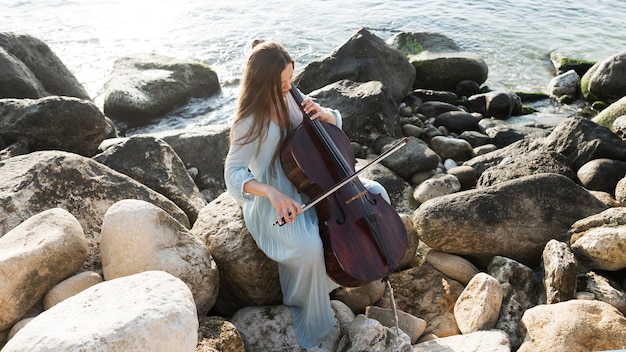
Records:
x=357, y=196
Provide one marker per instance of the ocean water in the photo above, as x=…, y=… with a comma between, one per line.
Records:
x=513, y=37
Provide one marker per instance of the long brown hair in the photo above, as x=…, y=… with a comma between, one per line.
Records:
x=261, y=92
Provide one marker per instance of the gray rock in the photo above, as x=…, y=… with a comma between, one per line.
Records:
x=213, y=142
x=605, y=79
x=414, y=157
x=38, y=70
x=367, y=110
x=566, y=83
x=79, y=126
x=221, y=228
x=155, y=164
x=144, y=87
x=521, y=290
x=39, y=181
x=602, y=174
x=560, y=272
x=426, y=293
x=526, y=164
x=363, y=58
x=491, y=221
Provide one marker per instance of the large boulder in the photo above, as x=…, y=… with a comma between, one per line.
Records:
x=367, y=111
x=139, y=236
x=29, y=69
x=155, y=164
x=514, y=219
x=363, y=58
x=144, y=87
x=605, y=79
x=38, y=181
x=439, y=63
x=573, y=326
x=36, y=255
x=213, y=142
x=149, y=311
x=247, y=276
x=55, y=123
x=581, y=140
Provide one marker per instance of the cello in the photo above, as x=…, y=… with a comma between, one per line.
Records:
x=363, y=237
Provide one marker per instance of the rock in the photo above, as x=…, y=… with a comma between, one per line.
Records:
x=475, y=138
x=39, y=253
x=602, y=174
x=138, y=236
x=149, y=311
x=70, y=287
x=155, y=164
x=343, y=314
x=605, y=79
x=414, y=157
x=530, y=210
x=456, y=121
x=363, y=58
x=221, y=228
x=358, y=298
x=599, y=239
x=270, y=328
x=436, y=186
x=466, y=176
x=213, y=141
x=564, y=84
x=521, y=290
x=503, y=134
x=619, y=126
x=439, y=63
x=36, y=69
x=492, y=340
x=603, y=289
x=452, y=266
x=478, y=306
x=560, y=272
x=434, y=109
x=39, y=181
x=397, y=188
x=573, y=326
x=217, y=334
x=147, y=86
x=365, y=334
x=607, y=116
x=412, y=326
x=426, y=293
x=451, y=148
x=526, y=164
x=564, y=64
x=367, y=109
x=79, y=126
x=620, y=192
x=496, y=104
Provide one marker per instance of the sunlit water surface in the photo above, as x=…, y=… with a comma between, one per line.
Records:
x=513, y=37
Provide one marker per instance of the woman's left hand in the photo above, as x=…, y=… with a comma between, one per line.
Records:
x=311, y=107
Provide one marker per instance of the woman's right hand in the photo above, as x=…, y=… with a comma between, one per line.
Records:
x=286, y=208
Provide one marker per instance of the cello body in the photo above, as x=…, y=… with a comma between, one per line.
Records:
x=364, y=238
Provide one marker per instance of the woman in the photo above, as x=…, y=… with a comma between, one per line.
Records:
x=266, y=114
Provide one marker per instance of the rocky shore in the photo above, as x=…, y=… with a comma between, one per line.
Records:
x=517, y=224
